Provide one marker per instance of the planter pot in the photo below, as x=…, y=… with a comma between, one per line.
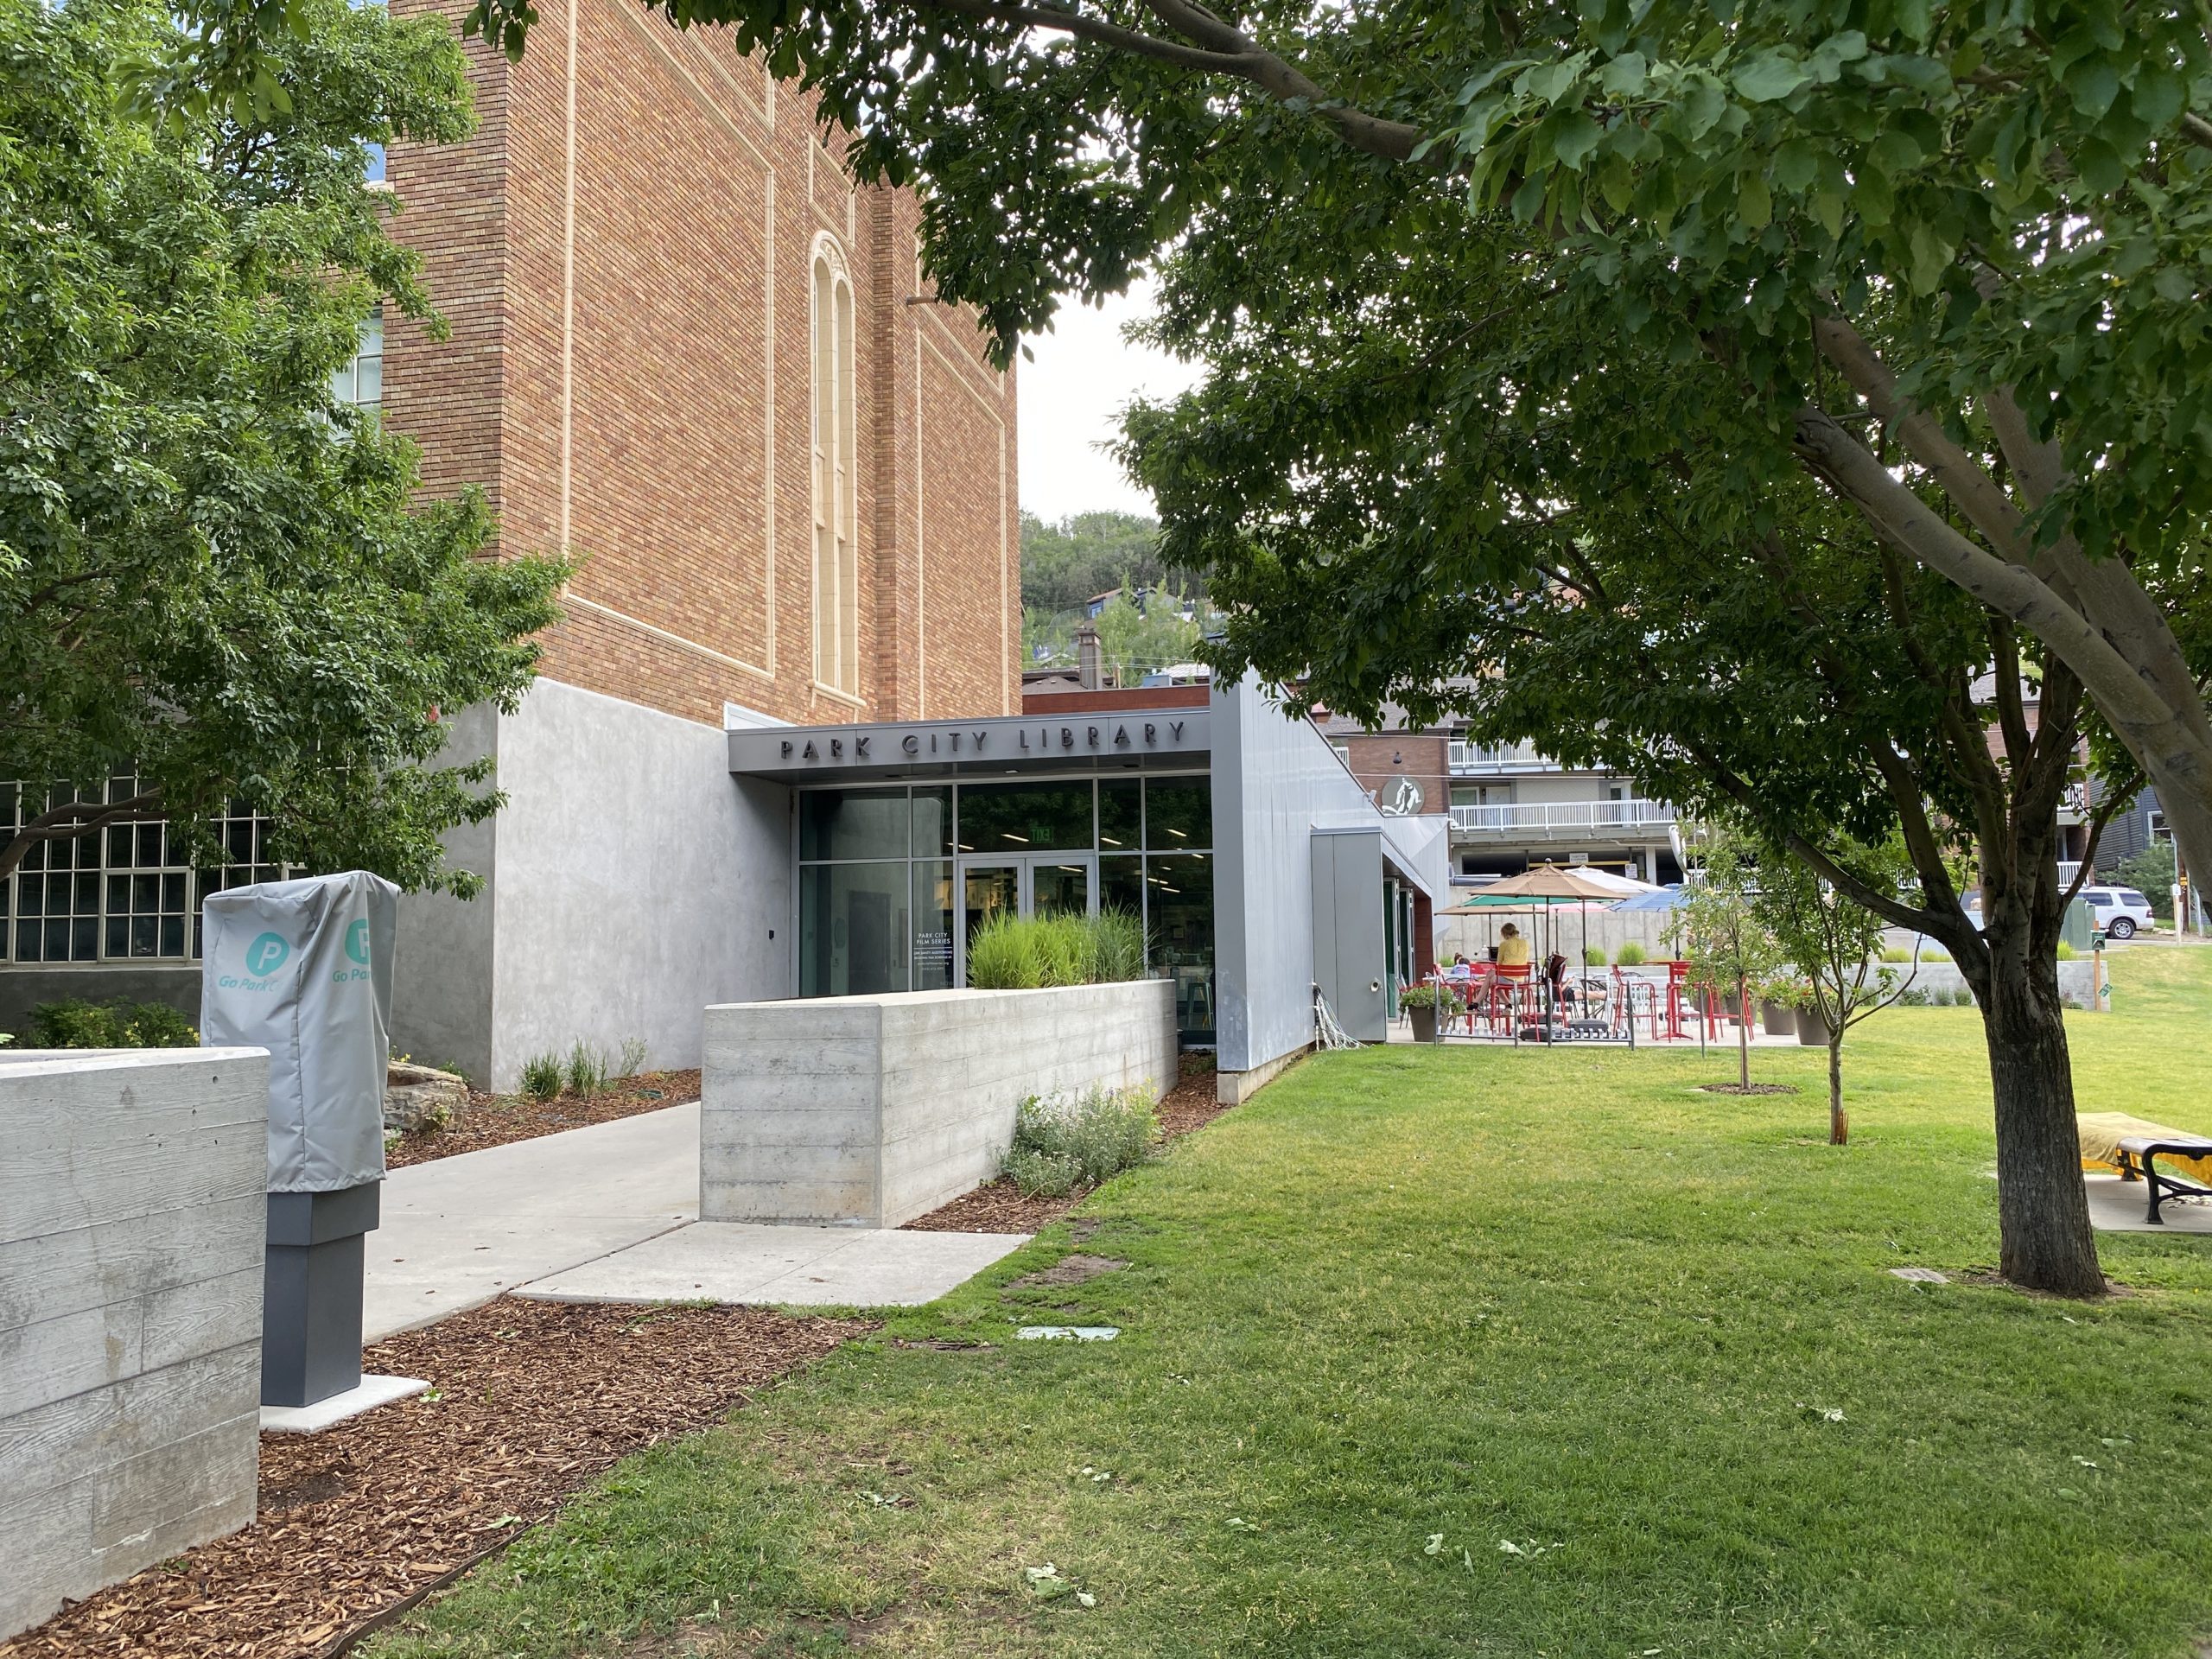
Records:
x=1424, y=1021
x=1779, y=1019
x=1812, y=1030
x=1733, y=1006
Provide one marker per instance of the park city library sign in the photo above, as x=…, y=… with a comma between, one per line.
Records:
x=790, y=753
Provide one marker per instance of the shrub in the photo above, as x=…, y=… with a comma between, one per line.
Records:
x=1593, y=955
x=71, y=1023
x=1063, y=950
x=541, y=1076
x=1631, y=955
x=1893, y=953
x=633, y=1058
x=1117, y=947
x=587, y=1070
x=1963, y=996
x=2065, y=951
x=1011, y=953
x=1431, y=996
x=1003, y=956
x=1935, y=956
x=1067, y=1143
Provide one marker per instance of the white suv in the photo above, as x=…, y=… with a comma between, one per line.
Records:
x=2120, y=912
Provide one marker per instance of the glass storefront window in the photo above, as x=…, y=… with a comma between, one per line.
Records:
x=932, y=922
x=1120, y=815
x=1177, y=813
x=1121, y=885
x=853, y=928
x=1182, y=889
x=1026, y=818
x=932, y=823
x=852, y=824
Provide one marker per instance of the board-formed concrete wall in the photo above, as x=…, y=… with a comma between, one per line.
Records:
x=870, y=1110
x=131, y=1216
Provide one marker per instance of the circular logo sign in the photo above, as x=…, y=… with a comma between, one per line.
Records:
x=266, y=955
x=357, y=943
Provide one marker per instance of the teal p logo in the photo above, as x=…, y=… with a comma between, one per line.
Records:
x=266, y=955
x=357, y=943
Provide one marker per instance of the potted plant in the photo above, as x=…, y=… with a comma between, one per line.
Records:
x=1778, y=1001
x=1423, y=1003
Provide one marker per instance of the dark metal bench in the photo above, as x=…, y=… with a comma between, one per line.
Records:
x=2136, y=1154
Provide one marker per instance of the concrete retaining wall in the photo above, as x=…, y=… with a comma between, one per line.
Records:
x=131, y=1216
x=1942, y=980
x=870, y=1110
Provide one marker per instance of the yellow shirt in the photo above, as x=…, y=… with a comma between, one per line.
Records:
x=1513, y=953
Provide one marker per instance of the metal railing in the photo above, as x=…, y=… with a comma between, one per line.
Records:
x=1552, y=819
x=1465, y=758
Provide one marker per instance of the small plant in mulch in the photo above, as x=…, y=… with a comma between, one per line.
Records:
x=1065, y=1142
x=541, y=1076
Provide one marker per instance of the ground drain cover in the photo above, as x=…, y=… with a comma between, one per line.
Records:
x=1067, y=1333
x=1921, y=1275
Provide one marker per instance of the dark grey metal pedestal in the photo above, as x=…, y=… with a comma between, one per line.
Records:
x=311, y=1293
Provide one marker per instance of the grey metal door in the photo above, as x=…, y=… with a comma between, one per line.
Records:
x=1351, y=951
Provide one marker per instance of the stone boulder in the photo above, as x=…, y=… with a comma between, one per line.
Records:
x=418, y=1098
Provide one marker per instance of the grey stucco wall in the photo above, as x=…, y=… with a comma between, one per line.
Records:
x=441, y=962
x=637, y=881
x=1275, y=779
x=131, y=1221
x=870, y=1110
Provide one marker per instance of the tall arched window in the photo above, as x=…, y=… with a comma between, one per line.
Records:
x=836, y=496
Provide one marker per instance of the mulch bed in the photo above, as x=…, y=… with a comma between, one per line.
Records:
x=531, y=1400
x=1747, y=1089
x=496, y=1120
x=999, y=1207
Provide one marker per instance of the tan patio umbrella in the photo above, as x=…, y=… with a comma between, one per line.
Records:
x=1549, y=882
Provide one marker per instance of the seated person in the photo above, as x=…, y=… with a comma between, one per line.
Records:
x=1512, y=949
x=1460, y=968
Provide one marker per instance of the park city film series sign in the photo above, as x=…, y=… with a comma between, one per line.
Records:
x=789, y=749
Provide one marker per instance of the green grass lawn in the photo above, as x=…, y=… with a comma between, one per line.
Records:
x=1557, y=1300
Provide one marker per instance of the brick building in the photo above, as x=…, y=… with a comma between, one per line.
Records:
x=686, y=349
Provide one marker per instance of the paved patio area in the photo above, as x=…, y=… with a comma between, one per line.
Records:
x=609, y=1213
x=2118, y=1206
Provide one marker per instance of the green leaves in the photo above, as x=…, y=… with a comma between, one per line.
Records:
x=220, y=581
x=1771, y=74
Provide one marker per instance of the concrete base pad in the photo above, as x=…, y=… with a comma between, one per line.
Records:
x=367, y=1396
x=2118, y=1206
x=798, y=1267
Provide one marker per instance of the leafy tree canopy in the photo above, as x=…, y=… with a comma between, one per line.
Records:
x=1085, y=555
x=1949, y=256
x=211, y=577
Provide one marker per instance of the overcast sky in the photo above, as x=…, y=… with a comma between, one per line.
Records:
x=1071, y=395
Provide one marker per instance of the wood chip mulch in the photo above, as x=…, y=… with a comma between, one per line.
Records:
x=999, y=1207
x=530, y=1400
x=496, y=1120
x=1747, y=1088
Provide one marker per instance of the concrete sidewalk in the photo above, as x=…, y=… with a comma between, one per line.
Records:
x=569, y=1216
x=457, y=1231
x=795, y=1267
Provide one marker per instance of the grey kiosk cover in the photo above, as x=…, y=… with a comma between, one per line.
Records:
x=303, y=969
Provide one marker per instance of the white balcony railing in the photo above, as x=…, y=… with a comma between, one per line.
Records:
x=1552, y=820
x=1482, y=758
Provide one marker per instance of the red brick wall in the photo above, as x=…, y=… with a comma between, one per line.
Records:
x=640, y=393
x=1376, y=761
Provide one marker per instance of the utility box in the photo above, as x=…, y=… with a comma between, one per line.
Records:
x=1350, y=962
x=303, y=969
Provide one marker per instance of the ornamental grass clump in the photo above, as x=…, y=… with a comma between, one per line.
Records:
x=1013, y=953
x=1070, y=1143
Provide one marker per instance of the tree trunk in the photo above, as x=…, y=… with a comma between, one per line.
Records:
x=1839, y=1125
x=2045, y=1241
x=1744, y=1035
